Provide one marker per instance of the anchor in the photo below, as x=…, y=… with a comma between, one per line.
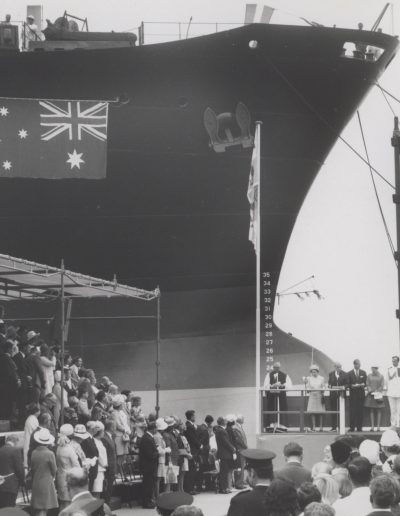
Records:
x=228, y=129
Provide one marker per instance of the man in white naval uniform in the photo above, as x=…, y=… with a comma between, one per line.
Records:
x=393, y=391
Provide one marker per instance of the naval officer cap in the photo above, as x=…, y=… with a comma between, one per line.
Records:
x=258, y=458
x=170, y=501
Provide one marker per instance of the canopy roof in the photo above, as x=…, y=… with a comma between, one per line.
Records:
x=21, y=279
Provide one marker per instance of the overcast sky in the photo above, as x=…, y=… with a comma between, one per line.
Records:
x=339, y=235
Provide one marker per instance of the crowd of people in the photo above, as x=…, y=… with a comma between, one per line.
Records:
x=365, y=391
x=72, y=420
x=81, y=434
x=355, y=477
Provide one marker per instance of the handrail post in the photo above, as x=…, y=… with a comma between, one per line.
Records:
x=342, y=411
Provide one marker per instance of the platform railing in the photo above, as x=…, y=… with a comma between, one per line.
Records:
x=302, y=412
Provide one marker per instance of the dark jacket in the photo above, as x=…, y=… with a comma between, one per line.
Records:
x=36, y=371
x=352, y=379
x=192, y=438
x=294, y=472
x=22, y=368
x=90, y=450
x=225, y=447
x=111, y=453
x=148, y=454
x=249, y=503
x=11, y=462
x=337, y=382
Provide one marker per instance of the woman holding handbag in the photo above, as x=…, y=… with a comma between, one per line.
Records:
x=374, y=399
x=123, y=430
x=184, y=455
x=314, y=384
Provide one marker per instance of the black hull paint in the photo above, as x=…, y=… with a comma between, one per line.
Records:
x=172, y=212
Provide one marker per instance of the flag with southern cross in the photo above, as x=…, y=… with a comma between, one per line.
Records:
x=53, y=139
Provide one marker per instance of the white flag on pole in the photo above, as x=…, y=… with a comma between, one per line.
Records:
x=253, y=191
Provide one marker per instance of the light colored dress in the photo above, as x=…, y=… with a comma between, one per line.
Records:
x=315, y=400
x=49, y=366
x=98, y=483
x=79, y=452
x=121, y=420
x=160, y=443
x=31, y=424
x=66, y=458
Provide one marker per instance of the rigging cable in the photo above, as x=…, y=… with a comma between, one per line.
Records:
x=384, y=93
x=330, y=127
x=387, y=92
x=392, y=248
x=296, y=284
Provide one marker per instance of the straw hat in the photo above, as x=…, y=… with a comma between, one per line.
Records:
x=80, y=431
x=43, y=436
x=161, y=424
x=118, y=400
x=66, y=429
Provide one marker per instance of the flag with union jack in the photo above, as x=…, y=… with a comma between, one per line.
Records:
x=53, y=139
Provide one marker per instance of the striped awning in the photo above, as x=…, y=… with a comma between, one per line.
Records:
x=22, y=279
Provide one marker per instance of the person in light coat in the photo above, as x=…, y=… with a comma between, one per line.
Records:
x=393, y=391
x=66, y=458
x=123, y=429
x=44, y=469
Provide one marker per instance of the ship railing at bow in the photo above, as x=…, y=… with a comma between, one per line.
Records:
x=274, y=421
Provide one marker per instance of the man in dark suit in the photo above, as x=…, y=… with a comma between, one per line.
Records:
x=12, y=468
x=336, y=378
x=276, y=381
x=226, y=453
x=9, y=381
x=148, y=463
x=23, y=396
x=193, y=476
x=294, y=471
x=108, y=441
x=241, y=445
x=357, y=379
x=260, y=475
x=90, y=450
x=36, y=372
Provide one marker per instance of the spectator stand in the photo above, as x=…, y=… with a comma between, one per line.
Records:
x=25, y=280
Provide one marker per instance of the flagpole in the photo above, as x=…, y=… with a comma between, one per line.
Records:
x=257, y=143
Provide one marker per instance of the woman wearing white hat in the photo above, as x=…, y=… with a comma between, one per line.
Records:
x=98, y=484
x=162, y=449
x=314, y=383
x=123, y=429
x=66, y=458
x=43, y=462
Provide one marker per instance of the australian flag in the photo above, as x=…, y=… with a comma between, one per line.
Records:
x=53, y=139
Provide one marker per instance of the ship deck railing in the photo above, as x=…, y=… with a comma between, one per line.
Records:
x=302, y=394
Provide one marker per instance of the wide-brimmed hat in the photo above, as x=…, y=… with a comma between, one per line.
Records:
x=161, y=424
x=314, y=367
x=81, y=432
x=32, y=334
x=66, y=429
x=390, y=438
x=169, y=420
x=43, y=436
x=118, y=400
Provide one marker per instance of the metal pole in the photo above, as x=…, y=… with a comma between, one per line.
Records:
x=61, y=422
x=396, y=200
x=158, y=355
x=259, y=424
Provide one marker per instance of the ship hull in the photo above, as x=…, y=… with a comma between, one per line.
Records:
x=172, y=211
